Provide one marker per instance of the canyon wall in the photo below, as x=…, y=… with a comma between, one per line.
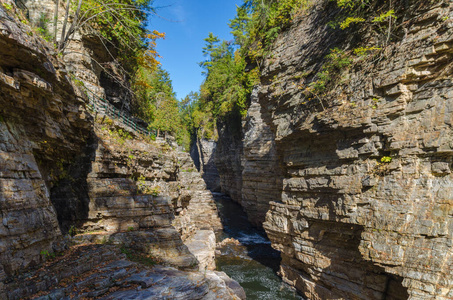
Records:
x=76, y=186
x=203, y=153
x=247, y=162
x=43, y=128
x=363, y=204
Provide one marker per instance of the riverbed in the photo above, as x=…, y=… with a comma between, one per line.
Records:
x=249, y=258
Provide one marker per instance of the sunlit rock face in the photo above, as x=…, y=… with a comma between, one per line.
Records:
x=203, y=153
x=138, y=193
x=363, y=208
x=43, y=125
x=246, y=158
x=65, y=170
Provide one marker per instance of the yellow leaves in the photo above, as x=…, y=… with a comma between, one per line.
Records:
x=143, y=83
x=361, y=51
x=157, y=35
x=385, y=16
x=148, y=60
x=350, y=20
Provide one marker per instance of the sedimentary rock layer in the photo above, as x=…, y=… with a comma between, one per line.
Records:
x=43, y=126
x=366, y=194
x=64, y=171
x=103, y=272
x=203, y=153
x=363, y=170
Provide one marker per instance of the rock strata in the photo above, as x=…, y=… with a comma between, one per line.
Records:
x=64, y=171
x=43, y=126
x=103, y=272
x=364, y=203
x=203, y=153
x=365, y=206
x=203, y=246
x=249, y=171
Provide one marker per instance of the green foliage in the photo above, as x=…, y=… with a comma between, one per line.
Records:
x=122, y=26
x=156, y=103
x=119, y=135
x=230, y=72
x=386, y=159
x=258, y=22
x=335, y=62
x=144, y=188
x=226, y=89
x=362, y=51
x=227, y=85
x=7, y=6
x=198, y=117
x=384, y=16
x=72, y=231
x=47, y=255
x=364, y=11
x=352, y=4
x=42, y=28
x=351, y=20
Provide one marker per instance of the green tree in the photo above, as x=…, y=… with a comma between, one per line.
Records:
x=227, y=85
x=155, y=102
x=119, y=24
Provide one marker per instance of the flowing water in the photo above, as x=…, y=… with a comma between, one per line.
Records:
x=251, y=261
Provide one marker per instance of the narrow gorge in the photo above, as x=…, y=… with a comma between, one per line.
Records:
x=342, y=163
x=354, y=188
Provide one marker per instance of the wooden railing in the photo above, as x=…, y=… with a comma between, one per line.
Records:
x=100, y=105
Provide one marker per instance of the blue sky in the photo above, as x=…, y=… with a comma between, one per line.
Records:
x=186, y=24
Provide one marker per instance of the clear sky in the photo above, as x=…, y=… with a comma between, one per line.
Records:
x=186, y=24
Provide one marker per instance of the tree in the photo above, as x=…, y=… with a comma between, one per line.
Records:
x=227, y=84
x=119, y=24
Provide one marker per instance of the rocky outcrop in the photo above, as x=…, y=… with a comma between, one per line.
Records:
x=247, y=162
x=62, y=173
x=348, y=224
x=194, y=204
x=203, y=153
x=137, y=193
x=43, y=126
x=203, y=246
x=228, y=157
x=261, y=175
x=86, y=55
x=104, y=272
x=364, y=209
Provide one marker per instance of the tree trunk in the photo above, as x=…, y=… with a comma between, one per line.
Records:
x=55, y=21
x=65, y=22
x=74, y=22
x=200, y=155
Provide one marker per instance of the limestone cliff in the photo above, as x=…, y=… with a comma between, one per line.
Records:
x=65, y=170
x=203, y=153
x=43, y=127
x=247, y=163
x=363, y=208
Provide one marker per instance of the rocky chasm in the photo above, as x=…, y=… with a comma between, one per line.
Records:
x=354, y=188
x=90, y=208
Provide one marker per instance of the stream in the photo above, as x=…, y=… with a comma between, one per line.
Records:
x=251, y=261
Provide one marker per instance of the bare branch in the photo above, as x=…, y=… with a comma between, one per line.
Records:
x=65, y=22
x=71, y=29
x=55, y=21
